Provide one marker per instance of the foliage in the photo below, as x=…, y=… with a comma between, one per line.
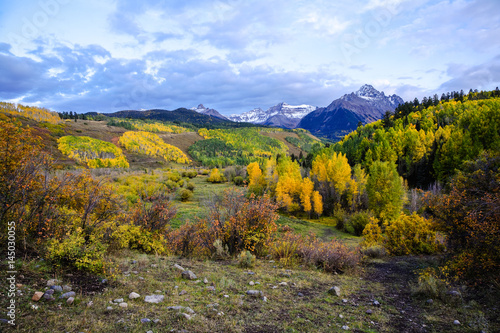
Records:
x=30, y=112
x=137, y=237
x=304, y=141
x=238, y=181
x=147, y=126
x=357, y=222
x=429, y=285
x=411, y=235
x=469, y=216
x=216, y=176
x=256, y=180
x=75, y=251
x=151, y=144
x=246, y=259
x=216, y=153
x=385, y=191
x=372, y=234
x=185, y=194
x=93, y=152
x=285, y=248
x=155, y=216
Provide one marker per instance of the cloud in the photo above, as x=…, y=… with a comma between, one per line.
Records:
x=484, y=76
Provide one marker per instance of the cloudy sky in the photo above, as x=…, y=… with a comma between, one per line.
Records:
x=236, y=55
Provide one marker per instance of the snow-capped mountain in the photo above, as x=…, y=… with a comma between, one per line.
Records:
x=209, y=112
x=281, y=115
x=343, y=115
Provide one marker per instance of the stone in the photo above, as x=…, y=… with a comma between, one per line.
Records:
x=120, y=321
x=185, y=315
x=183, y=292
x=429, y=301
x=109, y=308
x=300, y=294
x=334, y=291
x=70, y=300
x=341, y=316
x=254, y=293
x=180, y=268
x=286, y=275
x=154, y=266
x=133, y=295
x=68, y=294
x=104, y=281
x=210, y=288
x=188, y=275
x=213, y=305
x=283, y=284
x=344, y=300
x=133, y=262
x=456, y=322
x=154, y=298
x=205, y=281
x=158, y=291
x=454, y=293
x=57, y=288
x=369, y=311
x=250, y=273
x=66, y=288
x=52, y=282
x=345, y=328
x=118, y=300
x=264, y=299
x=135, y=272
x=226, y=296
x=123, y=305
x=376, y=303
x=145, y=320
x=90, y=304
x=181, y=308
x=251, y=283
x=36, y=297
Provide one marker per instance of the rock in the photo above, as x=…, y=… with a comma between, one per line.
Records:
x=154, y=266
x=341, y=316
x=70, y=300
x=376, y=303
x=118, y=300
x=68, y=295
x=251, y=283
x=120, y=321
x=66, y=288
x=300, y=294
x=429, y=301
x=283, y=284
x=369, y=311
x=226, y=296
x=344, y=300
x=90, y=304
x=345, y=328
x=456, y=322
x=180, y=308
x=264, y=299
x=133, y=262
x=286, y=275
x=154, y=298
x=454, y=293
x=104, y=281
x=135, y=272
x=185, y=315
x=188, y=275
x=141, y=278
x=123, y=305
x=183, y=292
x=254, y=293
x=214, y=305
x=109, y=308
x=36, y=297
x=145, y=320
x=334, y=291
x=57, y=288
x=205, y=281
x=156, y=321
x=210, y=288
x=158, y=291
x=52, y=282
x=180, y=268
x=133, y=295
x=250, y=273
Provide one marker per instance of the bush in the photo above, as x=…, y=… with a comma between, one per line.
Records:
x=238, y=181
x=174, y=176
x=190, y=186
x=154, y=217
x=221, y=251
x=372, y=234
x=430, y=285
x=411, y=235
x=341, y=218
x=136, y=237
x=375, y=251
x=185, y=194
x=216, y=176
x=357, y=223
x=285, y=248
x=75, y=251
x=246, y=259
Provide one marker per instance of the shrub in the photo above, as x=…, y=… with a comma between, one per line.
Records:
x=204, y=172
x=185, y=194
x=238, y=181
x=429, y=285
x=156, y=216
x=190, y=186
x=136, y=237
x=375, y=251
x=372, y=234
x=357, y=223
x=174, y=176
x=411, y=235
x=285, y=248
x=73, y=250
x=216, y=176
x=246, y=259
x=341, y=218
x=221, y=252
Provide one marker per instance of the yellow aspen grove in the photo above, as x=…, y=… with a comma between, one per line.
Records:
x=334, y=169
x=306, y=193
x=317, y=203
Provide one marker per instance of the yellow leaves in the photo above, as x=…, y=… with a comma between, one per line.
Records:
x=151, y=144
x=317, y=203
x=306, y=194
x=334, y=169
x=31, y=112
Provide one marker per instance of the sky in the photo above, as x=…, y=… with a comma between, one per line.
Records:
x=237, y=55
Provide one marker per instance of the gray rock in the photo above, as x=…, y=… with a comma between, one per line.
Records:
x=254, y=293
x=70, y=300
x=123, y=305
x=154, y=298
x=205, y=281
x=250, y=273
x=104, y=281
x=154, y=266
x=183, y=292
x=57, y=288
x=180, y=268
x=133, y=295
x=214, y=305
x=52, y=282
x=66, y=288
x=188, y=275
x=369, y=311
x=118, y=300
x=344, y=300
x=145, y=320
x=345, y=328
x=429, y=301
x=210, y=288
x=133, y=262
x=264, y=299
x=68, y=294
x=286, y=275
x=283, y=284
x=251, y=283
x=376, y=303
x=456, y=322
x=300, y=294
x=109, y=308
x=185, y=315
x=334, y=291
x=181, y=308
